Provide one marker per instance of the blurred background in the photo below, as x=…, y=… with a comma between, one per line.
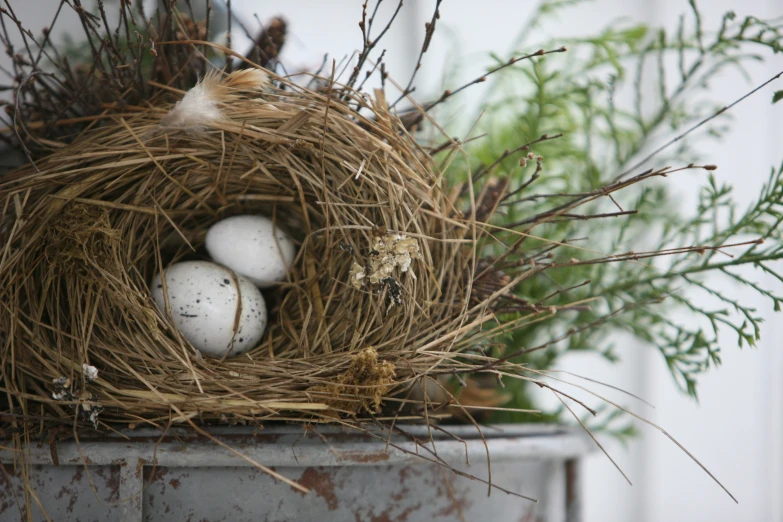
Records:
x=736, y=429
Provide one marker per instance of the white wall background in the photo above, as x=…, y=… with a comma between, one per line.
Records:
x=737, y=429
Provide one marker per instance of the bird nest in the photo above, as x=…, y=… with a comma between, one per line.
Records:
x=378, y=297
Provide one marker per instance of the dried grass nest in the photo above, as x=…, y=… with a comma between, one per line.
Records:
x=85, y=230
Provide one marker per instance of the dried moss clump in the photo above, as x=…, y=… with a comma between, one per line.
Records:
x=370, y=377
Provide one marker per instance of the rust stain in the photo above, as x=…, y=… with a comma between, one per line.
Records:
x=455, y=506
x=85, y=460
x=65, y=490
x=401, y=494
x=174, y=483
x=458, y=503
x=404, y=515
x=361, y=456
x=157, y=474
x=72, y=503
x=77, y=476
x=386, y=516
x=321, y=483
x=370, y=517
x=113, y=482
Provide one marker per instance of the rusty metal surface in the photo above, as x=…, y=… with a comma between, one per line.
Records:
x=350, y=476
x=67, y=487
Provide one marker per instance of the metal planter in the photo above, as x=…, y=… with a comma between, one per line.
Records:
x=143, y=476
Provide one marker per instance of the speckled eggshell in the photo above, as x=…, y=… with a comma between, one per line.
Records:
x=204, y=300
x=252, y=246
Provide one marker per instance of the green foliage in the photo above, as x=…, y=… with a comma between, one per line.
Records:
x=612, y=96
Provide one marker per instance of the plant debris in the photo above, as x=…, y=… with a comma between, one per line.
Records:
x=364, y=384
x=389, y=252
x=86, y=407
x=90, y=372
x=62, y=389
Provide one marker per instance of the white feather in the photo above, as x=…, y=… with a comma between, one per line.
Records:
x=199, y=106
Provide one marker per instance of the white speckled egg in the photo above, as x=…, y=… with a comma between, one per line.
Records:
x=252, y=246
x=204, y=298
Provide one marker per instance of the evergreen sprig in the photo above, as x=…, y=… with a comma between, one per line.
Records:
x=613, y=96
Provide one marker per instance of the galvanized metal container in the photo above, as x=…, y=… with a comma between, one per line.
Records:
x=143, y=475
